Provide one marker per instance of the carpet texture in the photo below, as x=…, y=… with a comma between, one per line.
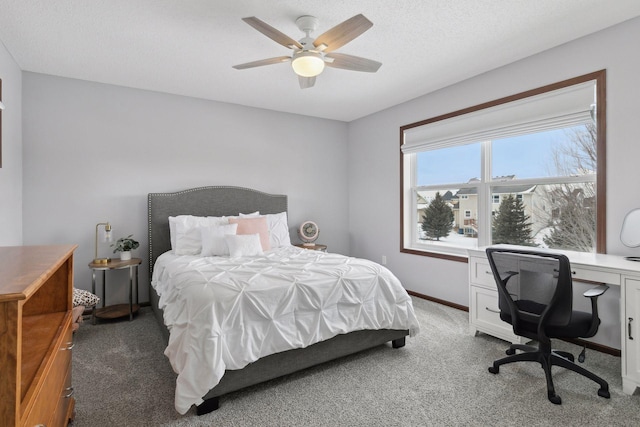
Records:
x=122, y=378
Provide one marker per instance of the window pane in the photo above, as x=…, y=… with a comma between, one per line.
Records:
x=558, y=216
x=449, y=165
x=562, y=152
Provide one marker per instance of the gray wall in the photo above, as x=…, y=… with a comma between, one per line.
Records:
x=11, y=170
x=92, y=153
x=374, y=163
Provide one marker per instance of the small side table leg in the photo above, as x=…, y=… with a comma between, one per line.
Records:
x=130, y=293
x=104, y=287
x=93, y=291
x=136, y=267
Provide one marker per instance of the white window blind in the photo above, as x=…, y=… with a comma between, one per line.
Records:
x=564, y=107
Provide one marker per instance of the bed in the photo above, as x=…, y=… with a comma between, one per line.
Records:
x=226, y=201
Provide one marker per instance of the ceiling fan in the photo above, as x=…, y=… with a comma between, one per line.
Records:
x=310, y=56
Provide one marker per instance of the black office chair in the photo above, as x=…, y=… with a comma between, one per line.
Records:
x=536, y=298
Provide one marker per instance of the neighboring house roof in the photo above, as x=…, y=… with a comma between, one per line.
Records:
x=447, y=196
x=511, y=189
x=426, y=196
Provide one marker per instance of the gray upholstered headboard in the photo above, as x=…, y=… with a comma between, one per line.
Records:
x=203, y=201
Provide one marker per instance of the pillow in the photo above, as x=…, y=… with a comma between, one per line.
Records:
x=257, y=225
x=278, y=227
x=173, y=220
x=213, y=243
x=243, y=244
x=86, y=298
x=278, y=230
x=187, y=239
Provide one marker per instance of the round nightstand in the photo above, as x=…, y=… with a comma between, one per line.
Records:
x=118, y=310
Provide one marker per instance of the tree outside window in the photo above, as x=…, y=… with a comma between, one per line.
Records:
x=511, y=224
x=437, y=221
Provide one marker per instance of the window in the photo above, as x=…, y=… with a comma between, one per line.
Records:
x=527, y=169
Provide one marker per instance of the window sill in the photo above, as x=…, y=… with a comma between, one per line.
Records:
x=450, y=256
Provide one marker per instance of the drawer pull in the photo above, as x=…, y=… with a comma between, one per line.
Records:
x=70, y=392
x=492, y=310
x=489, y=272
x=69, y=346
x=629, y=327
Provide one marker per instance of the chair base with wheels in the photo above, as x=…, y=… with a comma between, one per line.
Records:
x=548, y=358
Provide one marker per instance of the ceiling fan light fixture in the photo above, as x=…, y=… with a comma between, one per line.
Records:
x=307, y=64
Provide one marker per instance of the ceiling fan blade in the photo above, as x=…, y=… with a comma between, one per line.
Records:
x=272, y=33
x=262, y=62
x=306, y=82
x=350, y=62
x=343, y=33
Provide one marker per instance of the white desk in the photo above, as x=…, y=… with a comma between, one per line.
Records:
x=484, y=315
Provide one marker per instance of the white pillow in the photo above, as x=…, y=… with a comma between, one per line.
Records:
x=243, y=245
x=213, y=243
x=250, y=215
x=278, y=230
x=173, y=220
x=187, y=239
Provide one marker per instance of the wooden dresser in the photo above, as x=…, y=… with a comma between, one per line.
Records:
x=36, y=287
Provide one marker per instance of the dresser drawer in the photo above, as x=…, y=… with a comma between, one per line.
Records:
x=480, y=273
x=66, y=403
x=486, y=311
x=585, y=274
x=52, y=393
x=485, y=315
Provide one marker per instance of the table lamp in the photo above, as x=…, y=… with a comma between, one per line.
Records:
x=107, y=238
x=630, y=232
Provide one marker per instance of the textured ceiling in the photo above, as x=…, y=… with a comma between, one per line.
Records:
x=188, y=47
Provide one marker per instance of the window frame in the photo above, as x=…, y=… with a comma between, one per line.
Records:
x=0, y=125
x=599, y=77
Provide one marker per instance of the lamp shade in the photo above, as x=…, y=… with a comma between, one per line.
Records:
x=630, y=233
x=307, y=64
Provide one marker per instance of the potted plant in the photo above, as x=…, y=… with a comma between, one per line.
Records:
x=125, y=245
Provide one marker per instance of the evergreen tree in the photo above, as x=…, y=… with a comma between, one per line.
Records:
x=511, y=225
x=437, y=220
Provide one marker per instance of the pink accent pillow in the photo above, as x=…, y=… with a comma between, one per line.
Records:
x=254, y=226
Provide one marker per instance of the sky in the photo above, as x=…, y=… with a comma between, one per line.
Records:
x=526, y=156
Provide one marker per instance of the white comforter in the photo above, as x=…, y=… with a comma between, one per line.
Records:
x=224, y=313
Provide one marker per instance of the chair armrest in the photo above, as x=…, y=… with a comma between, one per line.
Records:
x=593, y=295
x=596, y=292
